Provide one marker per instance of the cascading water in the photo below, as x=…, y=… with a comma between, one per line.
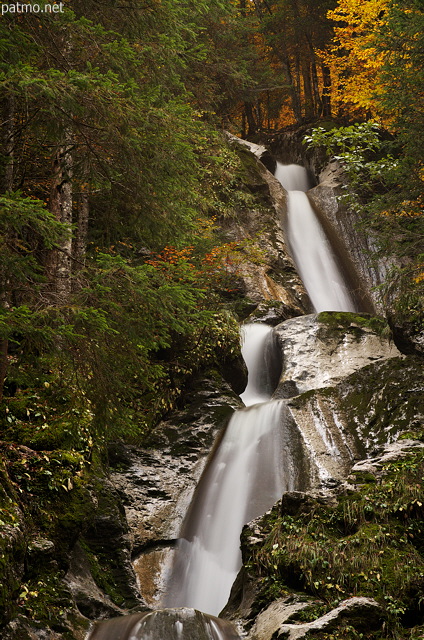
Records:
x=243, y=480
x=260, y=456
x=309, y=245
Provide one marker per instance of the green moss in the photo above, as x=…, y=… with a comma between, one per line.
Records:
x=103, y=576
x=378, y=399
x=370, y=544
x=338, y=319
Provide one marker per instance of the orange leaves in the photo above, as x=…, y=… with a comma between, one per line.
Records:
x=171, y=255
x=407, y=209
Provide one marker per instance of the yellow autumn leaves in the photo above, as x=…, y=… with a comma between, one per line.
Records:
x=353, y=58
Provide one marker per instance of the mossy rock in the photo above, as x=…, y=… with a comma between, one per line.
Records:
x=351, y=321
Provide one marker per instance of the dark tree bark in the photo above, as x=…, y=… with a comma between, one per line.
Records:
x=61, y=206
x=80, y=245
x=252, y=126
x=326, y=93
x=8, y=135
x=309, y=110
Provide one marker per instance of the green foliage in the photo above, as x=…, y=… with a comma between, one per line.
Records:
x=26, y=230
x=334, y=318
x=384, y=188
x=363, y=154
x=370, y=544
x=401, y=40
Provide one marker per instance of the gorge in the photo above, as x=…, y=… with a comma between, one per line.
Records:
x=313, y=435
x=273, y=446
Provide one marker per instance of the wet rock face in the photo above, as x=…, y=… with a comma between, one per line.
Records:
x=344, y=223
x=91, y=601
x=156, y=484
x=392, y=452
x=169, y=624
x=348, y=390
x=321, y=350
x=272, y=277
x=272, y=624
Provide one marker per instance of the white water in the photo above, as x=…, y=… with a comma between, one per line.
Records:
x=255, y=339
x=293, y=177
x=246, y=475
x=242, y=481
x=169, y=624
x=309, y=245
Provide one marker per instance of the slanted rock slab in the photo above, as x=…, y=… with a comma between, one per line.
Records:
x=359, y=612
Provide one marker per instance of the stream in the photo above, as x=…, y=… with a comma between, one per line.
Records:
x=250, y=469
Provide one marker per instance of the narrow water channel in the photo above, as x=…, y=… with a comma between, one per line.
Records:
x=311, y=250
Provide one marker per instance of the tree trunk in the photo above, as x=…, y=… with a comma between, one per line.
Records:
x=8, y=122
x=307, y=90
x=82, y=229
x=315, y=84
x=61, y=207
x=326, y=92
x=259, y=113
x=243, y=124
x=4, y=345
x=8, y=126
x=294, y=94
x=250, y=116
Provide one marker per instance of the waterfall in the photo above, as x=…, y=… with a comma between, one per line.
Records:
x=244, y=478
x=259, y=353
x=262, y=454
x=310, y=247
x=293, y=177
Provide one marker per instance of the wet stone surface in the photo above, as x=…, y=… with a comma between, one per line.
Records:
x=156, y=484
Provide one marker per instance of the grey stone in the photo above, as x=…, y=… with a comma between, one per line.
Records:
x=392, y=451
x=273, y=276
x=91, y=601
x=156, y=484
x=361, y=613
x=172, y=624
x=316, y=354
x=268, y=623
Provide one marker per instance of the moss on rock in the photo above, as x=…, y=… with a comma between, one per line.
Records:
x=370, y=543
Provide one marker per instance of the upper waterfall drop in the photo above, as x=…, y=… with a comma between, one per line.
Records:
x=293, y=177
x=310, y=247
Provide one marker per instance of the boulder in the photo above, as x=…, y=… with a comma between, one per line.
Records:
x=319, y=350
x=269, y=622
x=91, y=601
x=360, y=613
x=172, y=624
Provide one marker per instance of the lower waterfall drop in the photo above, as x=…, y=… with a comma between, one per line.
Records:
x=243, y=479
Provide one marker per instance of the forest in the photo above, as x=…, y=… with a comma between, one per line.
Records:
x=117, y=282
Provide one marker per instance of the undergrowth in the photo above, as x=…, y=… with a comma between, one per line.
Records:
x=371, y=544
